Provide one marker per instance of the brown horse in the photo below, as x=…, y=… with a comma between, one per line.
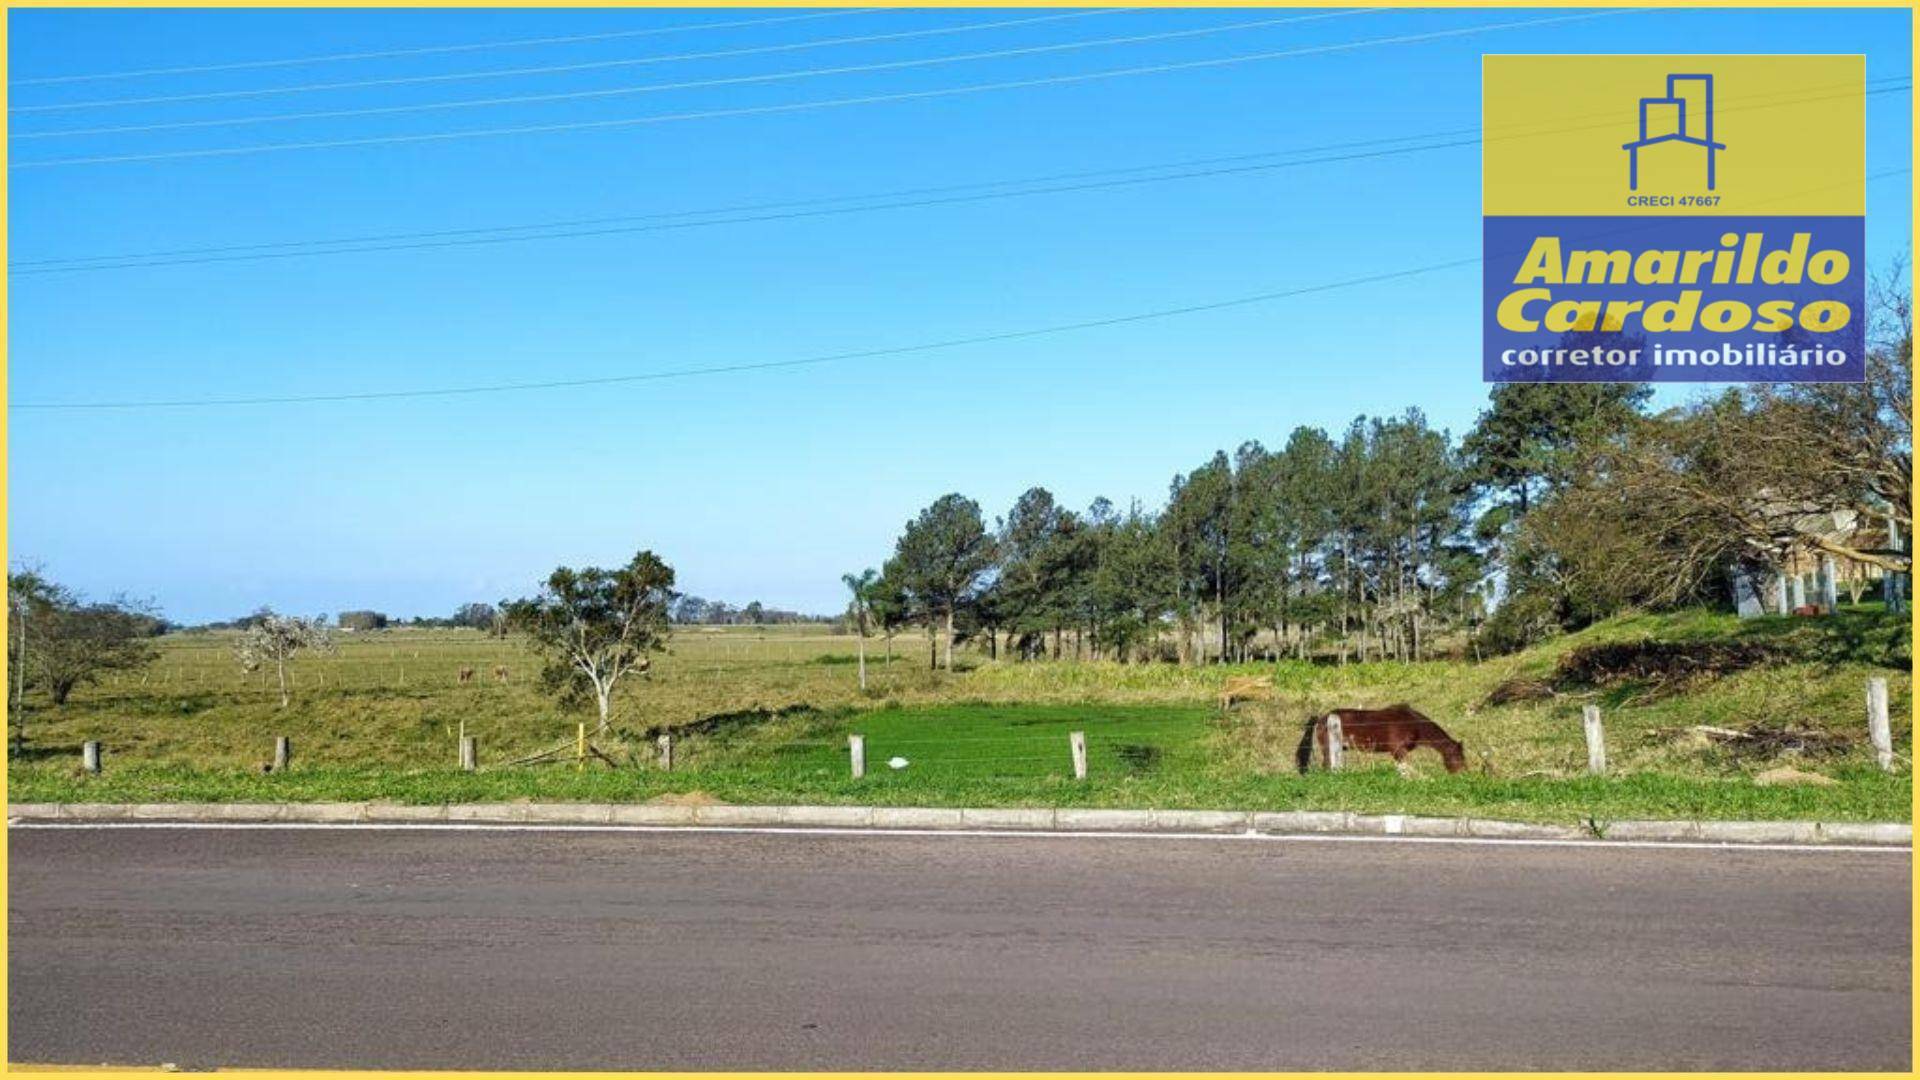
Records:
x=1398, y=730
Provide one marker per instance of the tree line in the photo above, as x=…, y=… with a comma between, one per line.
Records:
x=691, y=610
x=1356, y=542
x=1564, y=504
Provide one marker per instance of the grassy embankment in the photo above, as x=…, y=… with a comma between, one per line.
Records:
x=762, y=716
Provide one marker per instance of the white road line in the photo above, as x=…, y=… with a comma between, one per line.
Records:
x=1035, y=834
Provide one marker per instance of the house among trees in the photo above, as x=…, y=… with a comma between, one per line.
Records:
x=1809, y=580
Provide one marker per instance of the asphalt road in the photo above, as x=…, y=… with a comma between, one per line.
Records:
x=416, y=949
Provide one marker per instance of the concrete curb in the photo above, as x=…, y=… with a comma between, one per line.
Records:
x=935, y=819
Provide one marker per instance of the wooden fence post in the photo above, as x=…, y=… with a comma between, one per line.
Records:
x=1336, y=743
x=1877, y=727
x=666, y=753
x=1596, y=740
x=282, y=752
x=1077, y=742
x=857, y=750
x=469, y=753
x=90, y=756
x=580, y=748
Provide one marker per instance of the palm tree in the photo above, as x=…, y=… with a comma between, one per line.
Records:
x=860, y=608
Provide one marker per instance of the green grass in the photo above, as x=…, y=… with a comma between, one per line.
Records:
x=764, y=715
x=1863, y=795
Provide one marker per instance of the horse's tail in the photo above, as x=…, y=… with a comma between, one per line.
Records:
x=1303, y=757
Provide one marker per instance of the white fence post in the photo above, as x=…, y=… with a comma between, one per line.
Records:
x=666, y=753
x=1336, y=743
x=1596, y=740
x=90, y=756
x=469, y=753
x=857, y=749
x=1877, y=727
x=1077, y=742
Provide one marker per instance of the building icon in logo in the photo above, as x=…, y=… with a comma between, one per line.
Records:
x=1668, y=119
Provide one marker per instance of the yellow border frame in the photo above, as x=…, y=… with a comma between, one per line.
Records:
x=5, y=296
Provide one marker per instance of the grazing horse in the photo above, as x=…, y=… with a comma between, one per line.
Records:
x=1398, y=730
x=466, y=674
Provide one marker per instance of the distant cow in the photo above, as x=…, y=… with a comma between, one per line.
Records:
x=499, y=673
x=1398, y=730
x=466, y=674
x=1245, y=688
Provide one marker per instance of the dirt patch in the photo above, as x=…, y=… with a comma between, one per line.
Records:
x=685, y=798
x=1790, y=777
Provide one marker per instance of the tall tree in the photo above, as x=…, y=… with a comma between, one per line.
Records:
x=1027, y=594
x=1133, y=583
x=1198, y=518
x=1528, y=441
x=596, y=627
x=940, y=560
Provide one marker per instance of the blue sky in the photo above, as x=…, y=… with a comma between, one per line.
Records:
x=763, y=484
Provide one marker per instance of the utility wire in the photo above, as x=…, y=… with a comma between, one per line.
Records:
x=693, y=84
x=804, y=106
x=826, y=206
x=834, y=211
x=769, y=365
x=810, y=361
x=553, y=69
x=427, y=50
x=741, y=207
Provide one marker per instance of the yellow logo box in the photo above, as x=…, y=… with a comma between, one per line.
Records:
x=1652, y=135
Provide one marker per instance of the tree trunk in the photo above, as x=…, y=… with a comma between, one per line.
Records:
x=1220, y=592
x=20, y=682
x=949, y=639
x=603, y=697
x=280, y=666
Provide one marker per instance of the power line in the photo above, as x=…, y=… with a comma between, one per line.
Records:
x=695, y=84
x=554, y=69
x=426, y=50
x=1639, y=225
x=769, y=365
x=592, y=125
x=473, y=241
x=826, y=206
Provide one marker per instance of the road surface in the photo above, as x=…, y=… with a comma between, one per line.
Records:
x=703, y=950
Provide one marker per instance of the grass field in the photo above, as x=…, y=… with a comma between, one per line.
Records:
x=763, y=715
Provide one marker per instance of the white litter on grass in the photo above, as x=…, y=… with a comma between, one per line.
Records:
x=897, y=763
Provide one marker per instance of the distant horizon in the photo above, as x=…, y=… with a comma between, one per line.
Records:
x=749, y=295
